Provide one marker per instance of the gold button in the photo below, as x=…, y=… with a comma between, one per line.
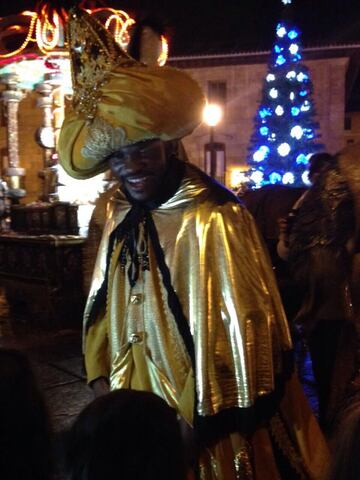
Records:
x=136, y=299
x=135, y=338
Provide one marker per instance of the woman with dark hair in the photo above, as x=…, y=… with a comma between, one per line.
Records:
x=25, y=447
x=127, y=434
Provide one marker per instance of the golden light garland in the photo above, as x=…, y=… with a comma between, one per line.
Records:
x=48, y=33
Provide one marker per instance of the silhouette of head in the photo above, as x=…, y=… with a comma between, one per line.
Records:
x=129, y=433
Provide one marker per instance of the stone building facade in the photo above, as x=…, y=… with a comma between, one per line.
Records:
x=332, y=71
x=237, y=79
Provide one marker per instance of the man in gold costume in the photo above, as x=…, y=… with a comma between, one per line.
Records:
x=183, y=302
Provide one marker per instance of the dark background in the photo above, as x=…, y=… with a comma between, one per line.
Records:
x=210, y=26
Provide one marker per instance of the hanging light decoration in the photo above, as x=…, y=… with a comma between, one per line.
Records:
x=288, y=178
x=43, y=30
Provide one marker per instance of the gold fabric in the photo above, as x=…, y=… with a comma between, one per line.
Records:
x=119, y=101
x=227, y=291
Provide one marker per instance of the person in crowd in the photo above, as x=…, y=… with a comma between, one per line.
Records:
x=319, y=245
x=183, y=301
x=131, y=431
x=25, y=438
x=345, y=463
x=318, y=162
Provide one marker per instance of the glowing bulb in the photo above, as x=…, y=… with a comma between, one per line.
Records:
x=257, y=177
x=274, y=177
x=279, y=110
x=283, y=149
x=281, y=30
x=295, y=111
x=302, y=77
x=305, y=178
x=288, y=178
x=296, y=132
x=302, y=159
x=265, y=112
x=280, y=60
x=264, y=131
x=309, y=133
x=305, y=106
x=293, y=34
x=212, y=114
x=294, y=48
x=290, y=75
x=270, y=77
x=292, y=96
x=261, y=153
x=273, y=93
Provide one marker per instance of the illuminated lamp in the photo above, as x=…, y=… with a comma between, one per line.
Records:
x=279, y=110
x=283, y=149
x=280, y=60
x=280, y=30
x=270, y=77
x=293, y=34
x=274, y=93
x=305, y=178
x=261, y=153
x=305, y=106
x=274, y=177
x=288, y=178
x=302, y=159
x=294, y=48
x=265, y=112
x=257, y=177
x=297, y=132
x=302, y=77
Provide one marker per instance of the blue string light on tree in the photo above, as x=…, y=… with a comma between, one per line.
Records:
x=285, y=131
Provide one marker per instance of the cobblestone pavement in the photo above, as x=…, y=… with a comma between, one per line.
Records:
x=57, y=361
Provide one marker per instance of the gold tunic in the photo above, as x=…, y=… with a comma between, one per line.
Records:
x=222, y=276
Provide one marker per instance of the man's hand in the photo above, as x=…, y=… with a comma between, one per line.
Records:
x=100, y=386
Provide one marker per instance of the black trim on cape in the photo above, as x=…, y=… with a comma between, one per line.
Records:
x=208, y=429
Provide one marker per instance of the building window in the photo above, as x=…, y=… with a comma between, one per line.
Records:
x=347, y=122
x=217, y=92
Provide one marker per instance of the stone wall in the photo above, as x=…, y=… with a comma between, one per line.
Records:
x=244, y=87
x=244, y=84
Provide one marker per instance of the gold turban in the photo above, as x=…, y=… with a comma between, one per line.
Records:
x=119, y=101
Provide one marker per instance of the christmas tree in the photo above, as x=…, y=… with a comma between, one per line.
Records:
x=285, y=135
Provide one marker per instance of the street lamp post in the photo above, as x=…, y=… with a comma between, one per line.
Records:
x=212, y=115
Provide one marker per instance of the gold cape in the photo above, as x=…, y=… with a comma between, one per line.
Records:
x=227, y=290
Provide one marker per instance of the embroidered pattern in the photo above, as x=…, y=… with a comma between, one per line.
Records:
x=286, y=445
x=243, y=465
x=102, y=140
x=94, y=53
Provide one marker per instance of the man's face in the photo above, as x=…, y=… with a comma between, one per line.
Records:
x=140, y=168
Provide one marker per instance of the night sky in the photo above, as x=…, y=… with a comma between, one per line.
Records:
x=215, y=26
